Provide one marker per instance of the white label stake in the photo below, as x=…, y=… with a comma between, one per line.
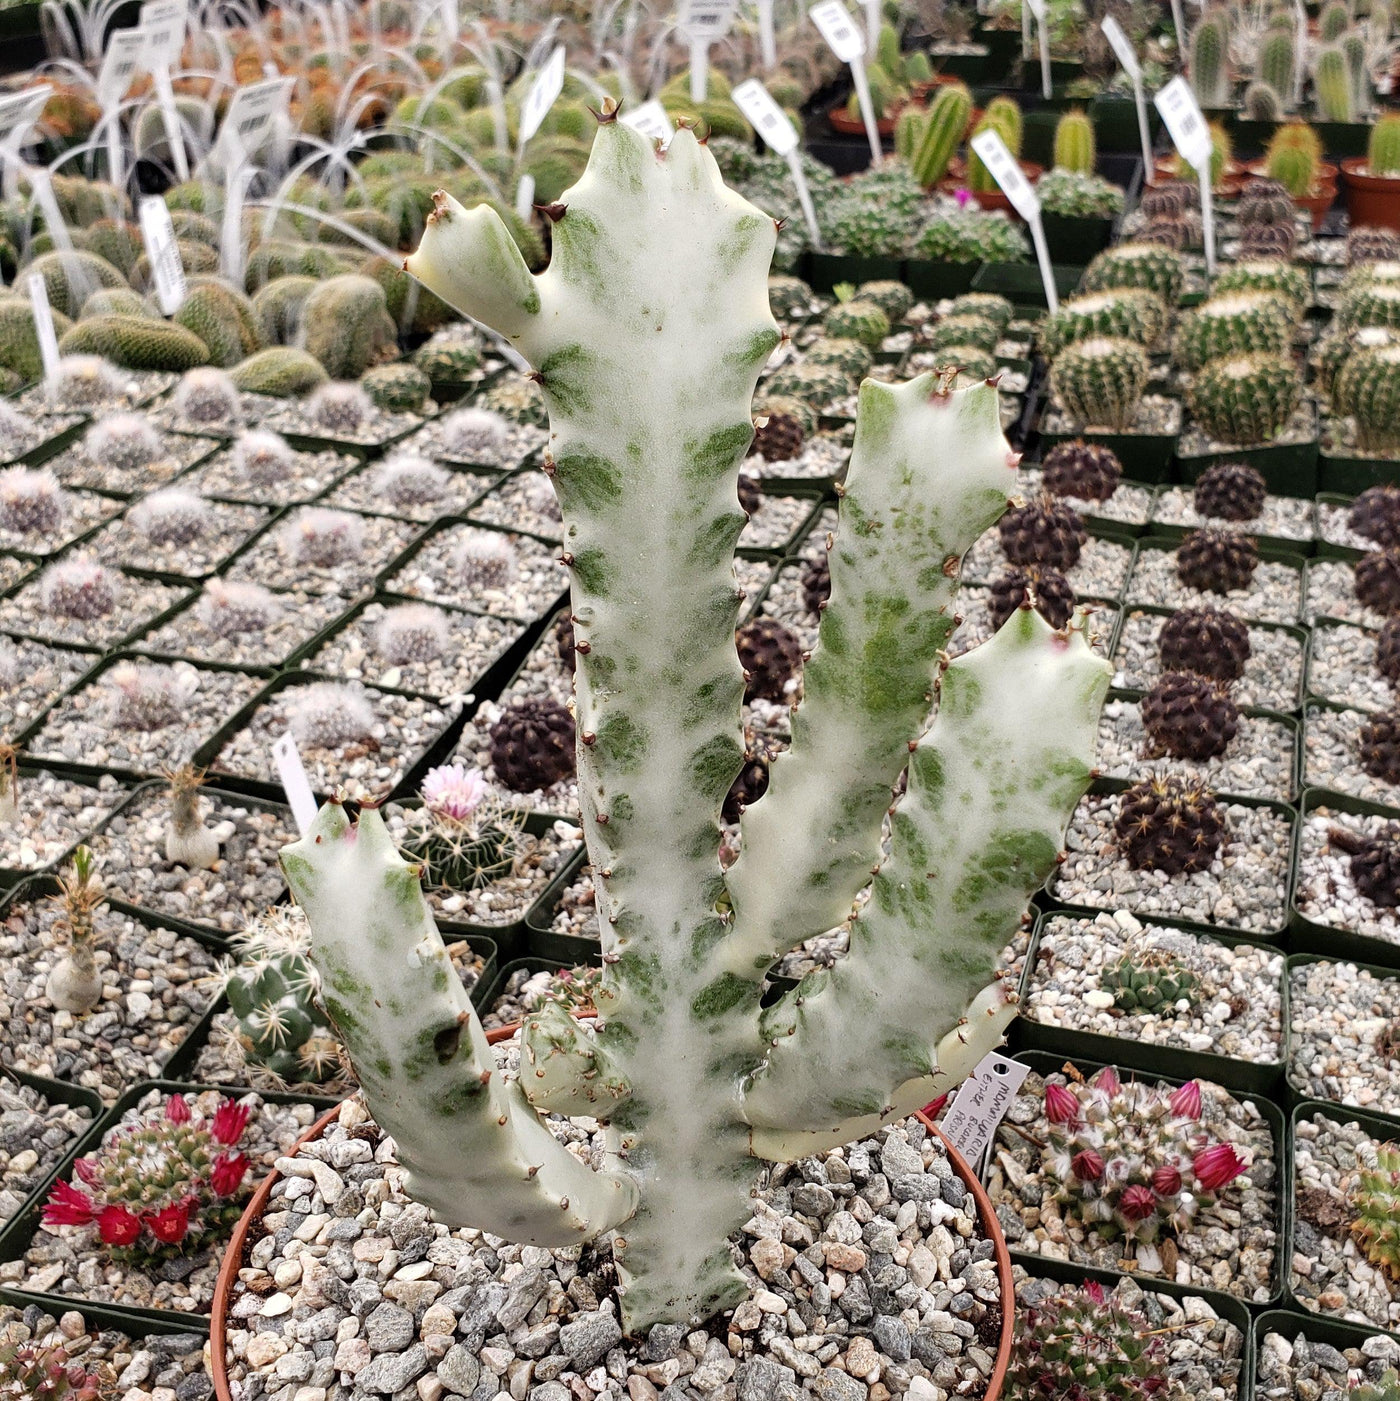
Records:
x=704, y=22
x=844, y=40
x=767, y=38
x=981, y=1104
x=772, y=124
x=126, y=51
x=1179, y=24
x=43, y=325
x=1191, y=137
x=544, y=92
x=1006, y=171
x=158, y=234
x=163, y=23
x=295, y=784
x=872, y=25
x=1043, y=36
x=651, y=120
x=1118, y=41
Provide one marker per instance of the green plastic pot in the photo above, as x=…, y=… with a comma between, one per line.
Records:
x=932, y=281
x=1166, y=530
x=1290, y=469
x=1020, y=283
x=1326, y=549
x=1116, y=124
x=1074, y=239
x=827, y=270
x=1349, y=476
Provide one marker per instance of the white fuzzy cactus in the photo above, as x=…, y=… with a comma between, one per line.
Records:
x=647, y=333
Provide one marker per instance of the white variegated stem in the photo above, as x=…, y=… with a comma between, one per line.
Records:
x=562, y=1069
x=651, y=328
x=475, y=1150
x=929, y=472
x=991, y=789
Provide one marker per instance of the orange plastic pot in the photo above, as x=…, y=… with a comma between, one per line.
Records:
x=853, y=126
x=257, y=1205
x=1316, y=204
x=1372, y=200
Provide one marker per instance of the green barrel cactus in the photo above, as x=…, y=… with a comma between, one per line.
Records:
x=859, y=321
x=397, y=388
x=347, y=326
x=1146, y=265
x=1149, y=980
x=136, y=343
x=1133, y=314
x=1101, y=380
x=1246, y=399
x=1265, y=275
x=1238, y=324
x=283, y=371
x=1369, y=383
x=1373, y=1195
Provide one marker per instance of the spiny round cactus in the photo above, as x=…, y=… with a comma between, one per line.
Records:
x=1232, y=491
x=411, y=634
x=1145, y=265
x=532, y=744
x=1242, y=323
x=468, y=837
x=80, y=588
x=771, y=656
x=814, y=384
x=517, y=399
x=231, y=608
x=408, y=479
x=1216, y=561
x=1371, y=245
x=1375, y=514
x=1265, y=202
x=1169, y=200
x=1376, y=579
x=1100, y=381
x=816, y=584
x=1169, y=824
x=1370, y=304
x=474, y=435
x=1383, y=272
x=859, y=321
x=171, y=517
x=1189, y=716
x=38, y=1371
x=1084, y=471
x=1128, y=313
x=141, y=696
x=991, y=306
x=323, y=538
x=1388, y=651
x=1038, y=586
x=1387, y=1388
x=1246, y=398
x=1044, y=531
x=339, y=408
x=848, y=356
x=1373, y=1195
x=448, y=362
x=790, y=296
x=1209, y=641
x=779, y=430
x=485, y=561
x=123, y=442
x=31, y=502
x=893, y=298
x=964, y=328
x=208, y=396
x=330, y=715
x=1132, y=1160
x=1369, y=381
x=399, y=388
x=1176, y=235
x=82, y=380
x=1378, y=746
x=1265, y=275
x=1374, y=865
x=262, y=459
x=1149, y=980
x=1268, y=240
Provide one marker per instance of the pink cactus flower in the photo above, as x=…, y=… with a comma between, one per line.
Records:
x=117, y=1226
x=1217, y=1166
x=1186, y=1102
x=229, y=1171
x=177, y=1110
x=453, y=791
x=1086, y=1165
x=1061, y=1107
x=67, y=1206
x=1166, y=1181
x=230, y=1120
x=1137, y=1203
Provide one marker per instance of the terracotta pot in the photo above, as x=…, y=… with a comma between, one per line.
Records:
x=1170, y=168
x=992, y=200
x=1316, y=204
x=1371, y=199
x=853, y=126
x=257, y=1205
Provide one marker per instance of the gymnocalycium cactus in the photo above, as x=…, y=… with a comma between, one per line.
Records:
x=647, y=333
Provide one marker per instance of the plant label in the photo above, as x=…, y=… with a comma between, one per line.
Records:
x=1006, y=170
x=163, y=23
x=1191, y=137
x=767, y=36
x=1119, y=42
x=525, y=195
x=981, y=1104
x=651, y=120
x=1037, y=8
x=252, y=118
x=20, y=111
x=295, y=783
x=158, y=234
x=872, y=24
x=43, y=325
x=451, y=21
x=125, y=57
x=765, y=116
x=544, y=92
x=838, y=29
x=706, y=20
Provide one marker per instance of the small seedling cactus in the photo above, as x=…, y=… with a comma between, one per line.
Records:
x=1374, y=1198
x=474, y=435
x=74, y=983
x=172, y=517
x=45, y=1372
x=209, y=396
x=409, y=479
x=1132, y=1160
x=31, y=502
x=324, y=538
x=263, y=459
x=1150, y=980
x=648, y=332
x=339, y=407
x=81, y=381
x=188, y=842
x=79, y=588
x=1387, y=1388
x=142, y=696
x=411, y=634
x=234, y=608
x=330, y=715
x=468, y=837
x=485, y=560
x=159, y=1186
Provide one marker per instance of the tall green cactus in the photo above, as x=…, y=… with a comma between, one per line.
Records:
x=1274, y=64
x=1383, y=149
x=647, y=333
x=1210, y=69
x=1355, y=50
x=941, y=134
x=1074, y=142
x=1332, y=84
x=1334, y=21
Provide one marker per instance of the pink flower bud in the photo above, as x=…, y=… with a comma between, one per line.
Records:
x=1086, y=1165
x=1094, y=1290
x=1061, y=1107
x=229, y=1171
x=1166, y=1181
x=177, y=1110
x=1107, y=1080
x=1217, y=1166
x=67, y=1206
x=1186, y=1102
x=1137, y=1203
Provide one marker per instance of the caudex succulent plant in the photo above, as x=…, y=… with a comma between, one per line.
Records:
x=188, y=842
x=74, y=983
x=646, y=471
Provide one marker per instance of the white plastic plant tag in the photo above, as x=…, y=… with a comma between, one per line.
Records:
x=1191, y=137
x=125, y=57
x=1043, y=38
x=41, y=184
x=163, y=23
x=525, y=196
x=252, y=118
x=872, y=24
x=651, y=120
x=295, y=783
x=1006, y=170
x=706, y=20
x=981, y=1104
x=43, y=325
x=765, y=116
x=1179, y=24
x=544, y=92
x=839, y=30
x=767, y=36
x=1122, y=47
x=451, y=21
x=19, y=112
x=158, y=234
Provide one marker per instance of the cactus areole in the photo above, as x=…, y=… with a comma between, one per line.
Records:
x=647, y=333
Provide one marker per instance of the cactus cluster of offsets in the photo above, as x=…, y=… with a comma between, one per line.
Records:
x=159, y=1185
x=647, y=333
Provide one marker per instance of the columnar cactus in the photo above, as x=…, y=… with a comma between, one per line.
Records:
x=647, y=333
x=1369, y=382
x=1332, y=84
x=940, y=134
x=1074, y=142
x=1274, y=66
x=1383, y=148
x=1210, y=71
x=1101, y=380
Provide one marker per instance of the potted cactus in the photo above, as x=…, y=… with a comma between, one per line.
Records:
x=649, y=369
x=1294, y=159
x=1373, y=180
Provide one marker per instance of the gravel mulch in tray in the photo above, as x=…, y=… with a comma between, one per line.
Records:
x=1282, y=517
x=464, y=565
x=144, y=717
x=1331, y=593
x=245, y=881
x=396, y=731
x=123, y=391
x=474, y=747
x=1196, y=442
x=1232, y=1244
x=298, y=553
x=130, y=542
x=524, y=500
x=1129, y=504
x=55, y=814
x=823, y=458
x=1102, y=570
x=1342, y=668
x=449, y=495
x=137, y=603
x=1273, y=674
x=34, y=1134
x=1341, y=1047
x=1334, y=526
x=252, y=409
x=1236, y=1008
x=153, y=993
x=1296, y=1368
x=1332, y=756
x=70, y=1260
x=82, y=513
x=309, y=475
x=1260, y=761
x=364, y=649
x=439, y=440
x=1273, y=595
x=297, y=618
x=1246, y=887
x=1157, y=416
x=31, y=675
x=1326, y=892
x=776, y=521
x=13, y=571
x=20, y=436
x=378, y=428
x=75, y=466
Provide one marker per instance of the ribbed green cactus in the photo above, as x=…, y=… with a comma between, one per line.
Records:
x=857, y=320
x=1370, y=304
x=1274, y=65
x=1334, y=21
x=1266, y=275
x=1146, y=265
x=1149, y=980
x=1131, y=312
x=1332, y=85
x=1386, y=1389
x=347, y=325
x=1369, y=382
x=1210, y=69
x=648, y=428
x=1354, y=48
x=1374, y=1198
x=1383, y=148
x=1261, y=103
x=1003, y=116
x=1074, y=142
x=940, y=134
x=136, y=343
x=1100, y=381
x=1246, y=399
x=1235, y=324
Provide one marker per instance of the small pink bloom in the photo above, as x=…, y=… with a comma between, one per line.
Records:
x=230, y=1120
x=1107, y=1080
x=229, y=1171
x=1186, y=1102
x=86, y=1169
x=1094, y=1290
x=1166, y=1181
x=177, y=1110
x=169, y=1225
x=1217, y=1166
x=1061, y=1107
x=67, y=1206
x=963, y=197
x=453, y=791
x=117, y=1226
x=1137, y=1203
x=1086, y=1165
x=935, y=1107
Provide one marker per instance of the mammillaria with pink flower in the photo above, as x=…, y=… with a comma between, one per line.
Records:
x=163, y=1182
x=1131, y=1158
x=466, y=837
